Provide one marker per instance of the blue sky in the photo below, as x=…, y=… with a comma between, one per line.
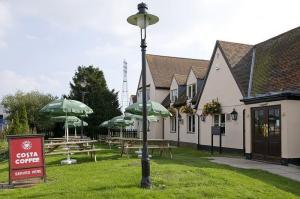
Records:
x=43, y=42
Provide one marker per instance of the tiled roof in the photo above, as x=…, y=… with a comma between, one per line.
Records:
x=180, y=79
x=277, y=64
x=200, y=71
x=239, y=57
x=163, y=68
x=166, y=102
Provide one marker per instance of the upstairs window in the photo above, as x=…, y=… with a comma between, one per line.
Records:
x=191, y=91
x=173, y=95
x=140, y=95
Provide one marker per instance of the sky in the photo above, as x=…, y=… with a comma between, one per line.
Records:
x=43, y=42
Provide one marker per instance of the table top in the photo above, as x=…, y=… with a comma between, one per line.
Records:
x=70, y=143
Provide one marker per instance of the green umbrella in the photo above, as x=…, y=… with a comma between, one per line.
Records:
x=120, y=122
x=76, y=124
x=150, y=118
x=64, y=118
x=66, y=107
x=63, y=106
x=105, y=124
x=153, y=109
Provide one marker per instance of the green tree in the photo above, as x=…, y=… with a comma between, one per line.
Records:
x=95, y=94
x=33, y=102
x=24, y=127
x=14, y=127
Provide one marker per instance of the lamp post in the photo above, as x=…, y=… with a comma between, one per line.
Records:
x=83, y=84
x=142, y=19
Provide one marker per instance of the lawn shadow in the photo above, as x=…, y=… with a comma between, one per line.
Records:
x=200, y=161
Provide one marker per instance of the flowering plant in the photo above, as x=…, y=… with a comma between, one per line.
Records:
x=172, y=111
x=211, y=108
x=187, y=109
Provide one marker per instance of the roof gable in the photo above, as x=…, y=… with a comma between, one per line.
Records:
x=180, y=79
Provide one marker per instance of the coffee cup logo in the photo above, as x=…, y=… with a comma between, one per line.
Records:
x=26, y=145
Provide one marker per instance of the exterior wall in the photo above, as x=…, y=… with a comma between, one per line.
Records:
x=220, y=85
x=157, y=95
x=186, y=136
x=174, y=84
x=290, y=136
x=191, y=79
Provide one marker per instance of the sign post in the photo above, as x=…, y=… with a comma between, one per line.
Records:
x=26, y=157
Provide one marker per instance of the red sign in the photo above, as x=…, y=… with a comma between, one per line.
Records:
x=26, y=157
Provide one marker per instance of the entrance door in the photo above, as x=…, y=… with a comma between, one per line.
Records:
x=266, y=133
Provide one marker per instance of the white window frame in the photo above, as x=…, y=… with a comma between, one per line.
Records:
x=173, y=95
x=190, y=91
x=173, y=124
x=140, y=94
x=191, y=123
x=217, y=121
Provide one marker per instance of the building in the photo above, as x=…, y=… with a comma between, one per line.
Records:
x=159, y=73
x=245, y=99
x=260, y=84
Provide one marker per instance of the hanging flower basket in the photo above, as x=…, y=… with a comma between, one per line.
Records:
x=172, y=111
x=211, y=108
x=187, y=109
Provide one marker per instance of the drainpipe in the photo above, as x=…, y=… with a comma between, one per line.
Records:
x=244, y=147
x=178, y=127
x=198, y=145
x=163, y=128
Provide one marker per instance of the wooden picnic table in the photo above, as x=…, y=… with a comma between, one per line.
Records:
x=163, y=146
x=72, y=147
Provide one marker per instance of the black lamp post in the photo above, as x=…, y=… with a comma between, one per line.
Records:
x=83, y=84
x=142, y=19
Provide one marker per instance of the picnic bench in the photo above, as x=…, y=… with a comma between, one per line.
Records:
x=72, y=147
x=162, y=146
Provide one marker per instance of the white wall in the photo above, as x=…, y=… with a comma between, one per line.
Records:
x=157, y=95
x=221, y=86
x=290, y=131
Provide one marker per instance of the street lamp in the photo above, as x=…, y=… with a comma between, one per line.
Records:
x=142, y=19
x=83, y=84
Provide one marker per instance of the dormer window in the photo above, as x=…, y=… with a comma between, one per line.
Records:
x=191, y=91
x=173, y=95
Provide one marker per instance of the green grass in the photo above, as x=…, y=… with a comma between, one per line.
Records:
x=188, y=175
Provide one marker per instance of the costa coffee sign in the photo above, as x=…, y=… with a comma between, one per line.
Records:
x=26, y=157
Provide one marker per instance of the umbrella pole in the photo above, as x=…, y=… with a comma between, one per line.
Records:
x=121, y=132
x=75, y=132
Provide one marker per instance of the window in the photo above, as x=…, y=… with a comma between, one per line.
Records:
x=173, y=95
x=173, y=124
x=219, y=120
x=191, y=123
x=140, y=95
x=191, y=91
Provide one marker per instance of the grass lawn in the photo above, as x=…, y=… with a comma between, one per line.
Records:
x=188, y=175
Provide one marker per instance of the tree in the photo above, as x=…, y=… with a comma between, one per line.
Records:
x=103, y=101
x=33, y=102
x=24, y=127
x=14, y=127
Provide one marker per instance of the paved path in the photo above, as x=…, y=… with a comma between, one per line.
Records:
x=291, y=171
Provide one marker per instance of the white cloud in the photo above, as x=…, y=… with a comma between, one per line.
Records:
x=55, y=84
x=5, y=21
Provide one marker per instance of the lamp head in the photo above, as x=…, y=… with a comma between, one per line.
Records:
x=142, y=19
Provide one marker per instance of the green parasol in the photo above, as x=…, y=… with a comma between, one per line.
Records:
x=66, y=107
x=153, y=109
